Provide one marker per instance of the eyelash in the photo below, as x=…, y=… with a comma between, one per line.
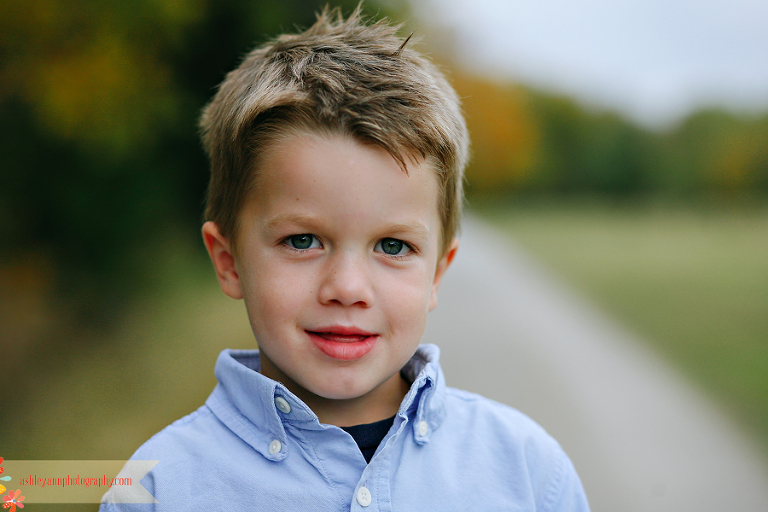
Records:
x=287, y=242
x=395, y=256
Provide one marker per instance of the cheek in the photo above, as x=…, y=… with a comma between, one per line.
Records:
x=274, y=295
x=407, y=300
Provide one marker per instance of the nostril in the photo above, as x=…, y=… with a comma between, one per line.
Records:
x=346, y=284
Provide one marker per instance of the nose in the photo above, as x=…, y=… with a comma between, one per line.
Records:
x=347, y=281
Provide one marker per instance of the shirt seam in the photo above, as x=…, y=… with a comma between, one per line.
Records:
x=556, y=482
x=183, y=421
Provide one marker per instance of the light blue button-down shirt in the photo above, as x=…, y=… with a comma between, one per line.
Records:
x=255, y=446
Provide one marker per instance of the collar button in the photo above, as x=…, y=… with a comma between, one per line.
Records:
x=282, y=405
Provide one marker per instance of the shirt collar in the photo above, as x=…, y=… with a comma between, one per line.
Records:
x=245, y=400
x=427, y=394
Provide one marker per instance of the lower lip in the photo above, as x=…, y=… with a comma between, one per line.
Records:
x=341, y=349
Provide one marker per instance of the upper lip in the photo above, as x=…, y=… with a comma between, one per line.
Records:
x=342, y=330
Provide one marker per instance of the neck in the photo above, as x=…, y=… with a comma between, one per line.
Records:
x=380, y=403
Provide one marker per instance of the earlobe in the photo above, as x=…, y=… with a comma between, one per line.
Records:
x=223, y=260
x=442, y=266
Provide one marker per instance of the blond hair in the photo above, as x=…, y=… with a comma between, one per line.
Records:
x=339, y=76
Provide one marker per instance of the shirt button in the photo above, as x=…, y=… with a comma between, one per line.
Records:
x=274, y=447
x=364, y=496
x=282, y=404
x=423, y=428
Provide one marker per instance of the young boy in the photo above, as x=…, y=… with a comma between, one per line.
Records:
x=337, y=158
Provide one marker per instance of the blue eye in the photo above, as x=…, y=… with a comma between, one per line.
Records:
x=301, y=242
x=392, y=247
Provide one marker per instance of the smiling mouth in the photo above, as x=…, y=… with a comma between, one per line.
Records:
x=343, y=344
x=341, y=338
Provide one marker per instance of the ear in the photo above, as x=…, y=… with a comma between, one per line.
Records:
x=223, y=260
x=442, y=266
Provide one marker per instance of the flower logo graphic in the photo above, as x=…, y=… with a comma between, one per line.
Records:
x=12, y=500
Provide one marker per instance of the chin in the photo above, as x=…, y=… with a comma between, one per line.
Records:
x=336, y=393
x=337, y=387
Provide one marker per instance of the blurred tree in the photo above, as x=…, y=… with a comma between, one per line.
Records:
x=505, y=136
x=732, y=152
x=587, y=152
x=525, y=141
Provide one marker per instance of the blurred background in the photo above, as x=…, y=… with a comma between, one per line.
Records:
x=622, y=144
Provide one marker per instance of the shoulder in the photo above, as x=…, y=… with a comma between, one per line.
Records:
x=498, y=421
x=188, y=433
x=509, y=443
x=176, y=450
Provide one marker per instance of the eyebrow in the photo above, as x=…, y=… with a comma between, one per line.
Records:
x=415, y=228
x=289, y=218
x=419, y=229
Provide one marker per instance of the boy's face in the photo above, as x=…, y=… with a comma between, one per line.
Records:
x=337, y=260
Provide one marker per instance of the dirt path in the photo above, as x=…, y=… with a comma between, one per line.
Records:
x=641, y=437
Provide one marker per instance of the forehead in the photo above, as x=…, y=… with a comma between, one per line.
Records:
x=303, y=169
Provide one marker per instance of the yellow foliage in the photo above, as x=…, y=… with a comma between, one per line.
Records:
x=505, y=137
x=738, y=160
x=95, y=92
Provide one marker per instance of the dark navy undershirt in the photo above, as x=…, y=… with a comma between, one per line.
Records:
x=369, y=436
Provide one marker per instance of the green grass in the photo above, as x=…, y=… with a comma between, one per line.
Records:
x=692, y=280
